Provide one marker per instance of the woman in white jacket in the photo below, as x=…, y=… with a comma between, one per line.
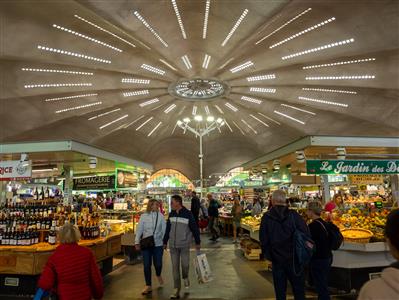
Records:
x=152, y=223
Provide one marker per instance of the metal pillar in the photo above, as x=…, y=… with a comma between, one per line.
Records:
x=201, y=161
x=68, y=185
x=326, y=189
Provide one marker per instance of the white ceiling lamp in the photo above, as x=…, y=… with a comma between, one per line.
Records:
x=170, y=108
x=73, y=54
x=194, y=112
x=135, y=93
x=148, y=102
x=167, y=64
x=344, y=77
x=234, y=28
x=232, y=107
x=242, y=67
x=135, y=80
x=145, y=122
x=207, y=111
x=57, y=71
x=341, y=153
x=261, y=77
x=239, y=128
x=252, y=100
x=276, y=164
x=198, y=118
x=299, y=109
x=55, y=85
x=114, y=121
x=262, y=90
x=186, y=120
x=154, y=129
x=206, y=16
x=205, y=63
x=104, y=114
x=259, y=120
x=300, y=156
x=131, y=123
x=78, y=107
x=226, y=63
x=148, y=26
x=340, y=63
x=249, y=126
x=219, y=109
x=329, y=91
x=153, y=69
x=289, y=117
x=69, y=97
x=323, y=101
x=270, y=119
x=186, y=61
x=178, y=17
x=228, y=125
x=212, y=118
x=92, y=162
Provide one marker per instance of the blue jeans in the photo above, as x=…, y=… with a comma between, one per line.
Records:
x=320, y=269
x=152, y=255
x=282, y=272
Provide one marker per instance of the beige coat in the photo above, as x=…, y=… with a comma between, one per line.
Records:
x=384, y=288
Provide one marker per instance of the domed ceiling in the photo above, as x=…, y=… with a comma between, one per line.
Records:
x=119, y=74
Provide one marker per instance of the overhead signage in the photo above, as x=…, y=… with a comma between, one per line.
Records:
x=366, y=179
x=94, y=183
x=352, y=166
x=126, y=179
x=15, y=170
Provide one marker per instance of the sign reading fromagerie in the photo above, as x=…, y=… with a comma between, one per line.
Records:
x=15, y=170
x=352, y=166
x=94, y=183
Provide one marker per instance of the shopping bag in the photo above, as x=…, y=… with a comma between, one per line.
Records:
x=202, y=269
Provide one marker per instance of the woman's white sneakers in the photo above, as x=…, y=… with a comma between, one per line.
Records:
x=176, y=294
x=186, y=283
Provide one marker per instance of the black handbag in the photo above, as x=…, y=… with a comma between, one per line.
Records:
x=149, y=241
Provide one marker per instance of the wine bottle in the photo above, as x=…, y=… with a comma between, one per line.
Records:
x=47, y=193
x=52, y=236
x=41, y=195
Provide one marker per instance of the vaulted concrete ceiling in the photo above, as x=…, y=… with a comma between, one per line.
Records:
x=332, y=66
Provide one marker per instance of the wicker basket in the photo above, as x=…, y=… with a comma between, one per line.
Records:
x=350, y=235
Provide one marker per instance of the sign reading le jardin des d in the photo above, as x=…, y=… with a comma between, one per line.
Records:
x=352, y=166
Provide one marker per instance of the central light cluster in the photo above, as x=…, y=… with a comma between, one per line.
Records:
x=197, y=89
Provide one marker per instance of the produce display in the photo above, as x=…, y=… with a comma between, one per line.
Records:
x=357, y=235
x=253, y=222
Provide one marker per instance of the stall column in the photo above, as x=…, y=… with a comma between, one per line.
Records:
x=395, y=187
x=68, y=185
x=3, y=191
x=326, y=188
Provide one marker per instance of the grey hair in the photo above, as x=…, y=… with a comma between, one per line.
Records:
x=279, y=198
x=316, y=207
x=69, y=234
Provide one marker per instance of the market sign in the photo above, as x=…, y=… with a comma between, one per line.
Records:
x=366, y=179
x=126, y=179
x=15, y=170
x=352, y=166
x=94, y=183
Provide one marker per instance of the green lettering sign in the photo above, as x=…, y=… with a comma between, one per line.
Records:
x=352, y=166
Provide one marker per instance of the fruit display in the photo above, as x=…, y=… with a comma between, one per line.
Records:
x=253, y=222
x=357, y=235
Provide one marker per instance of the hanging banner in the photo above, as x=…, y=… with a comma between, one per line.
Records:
x=352, y=166
x=15, y=170
x=366, y=179
x=126, y=179
x=94, y=183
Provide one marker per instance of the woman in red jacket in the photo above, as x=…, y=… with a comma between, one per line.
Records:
x=72, y=271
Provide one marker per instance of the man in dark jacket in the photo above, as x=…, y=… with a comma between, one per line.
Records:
x=195, y=206
x=213, y=213
x=276, y=237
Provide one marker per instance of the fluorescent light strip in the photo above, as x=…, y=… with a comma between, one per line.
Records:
x=135, y=93
x=104, y=114
x=228, y=125
x=242, y=66
x=207, y=110
x=226, y=63
x=131, y=123
x=259, y=120
x=114, y=121
x=278, y=123
x=186, y=61
x=219, y=109
x=155, y=100
x=167, y=64
x=183, y=32
x=340, y=77
x=78, y=107
x=135, y=80
x=242, y=132
x=194, y=110
x=170, y=108
x=303, y=32
x=104, y=30
x=207, y=58
x=86, y=37
x=299, y=109
x=68, y=53
x=145, y=122
x=262, y=90
x=69, y=97
x=153, y=69
x=323, y=101
x=261, y=77
x=155, y=128
x=233, y=108
x=330, y=91
x=206, y=16
x=56, y=71
x=289, y=117
x=234, y=28
x=339, y=63
x=47, y=85
x=282, y=26
x=249, y=126
x=324, y=47
x=250, y=99
x=150, y=28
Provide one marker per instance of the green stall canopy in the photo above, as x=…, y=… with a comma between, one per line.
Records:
x=352, y=166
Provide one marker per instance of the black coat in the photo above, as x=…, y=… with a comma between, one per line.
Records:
x=195, y=206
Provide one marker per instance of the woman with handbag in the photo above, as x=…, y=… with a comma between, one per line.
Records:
x=149, y=239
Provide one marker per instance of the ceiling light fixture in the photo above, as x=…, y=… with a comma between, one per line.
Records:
x=86, y=37
x=300, y=156
x=78, y=107
x=299, y=109
x=249, y=126
x=324, y=47
x=323, y=101
x=170, y=108
x=207, y=111
x=303, y=32
x=135, y=80
x=234, y=28
x=186, y=61
x=136, y=13
x=226, y=63
x=104, y=114
x=194, y=110
x=330, y=91
x=152, y=101
x=153, y=69
x=177, y=13
x=289, y=117
x=56, y=71
x=205, y=63
x=155, y=128
x=232, y=107
x=145, y=122
x=47, y=85
x=261, y=77
x=104, y=30
x=69, y=97
x=131, y=123
x=228, y=125
x=219, y=109
x=341, y=153
x=345, y=77
x=262, y=90
x=68, y=53
x=212, y=118
x=339, y=63
x=114, y=121
x=135, y=93
x=206, y=16
x=282, y=26
x=252, y=100
x=239, y=128
x=167, y=64
x=198, y=118
x=259, y=120
x=242, y=66
x=270, y=119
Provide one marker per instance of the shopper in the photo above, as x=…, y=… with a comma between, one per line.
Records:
x=180, y=230
x=321, y=260
x=195, y=206
x=213, y=212
x=236, y=212
x=276, y=237
x=387, y=286
x=152, y=224
x=256, y=208
x=72, y=270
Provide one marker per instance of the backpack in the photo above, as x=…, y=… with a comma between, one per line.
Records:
x=334, y=235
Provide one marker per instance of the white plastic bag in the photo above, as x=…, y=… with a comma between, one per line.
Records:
x=202, y=268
